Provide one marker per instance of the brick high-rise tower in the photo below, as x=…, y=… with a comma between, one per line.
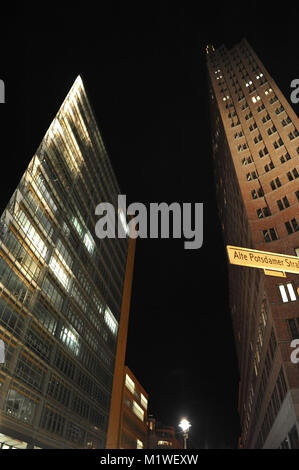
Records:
x=256, y=156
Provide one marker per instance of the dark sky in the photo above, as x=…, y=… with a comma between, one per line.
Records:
x=145, y=75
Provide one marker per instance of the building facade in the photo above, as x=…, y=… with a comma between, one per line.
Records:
x=127, y=425
x=255, y=143
x=161, y=436
x=62, y=290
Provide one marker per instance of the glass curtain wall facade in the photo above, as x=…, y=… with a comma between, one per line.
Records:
x=60, y=289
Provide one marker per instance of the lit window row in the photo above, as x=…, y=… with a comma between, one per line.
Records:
x=164, y=443
x=255, y=98
x=43, y=188
x=139, y=444
x=287, y=293
x=38, y=245
x=130, y=384
x=110, y=321
x=60, y=272
x=144, y=401
x=138, y=411
x=84, y=234
x=71, y=339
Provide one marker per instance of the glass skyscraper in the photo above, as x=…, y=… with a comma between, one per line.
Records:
x=61, y=290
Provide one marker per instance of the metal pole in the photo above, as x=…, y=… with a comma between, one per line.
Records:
x=185, y=440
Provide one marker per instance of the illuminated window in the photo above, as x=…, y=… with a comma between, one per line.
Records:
x=20, y=407
x=77, y=226
x=40, y=182
x=70, y=339
x=59, y=272
x=130, y=384
x=283, y=294
x=164, y=443
x=139, y=444
x=138, y=411
x=151, y=426
x=287, y=294
x=143, y=401
x=38, y=244
x=65, y=229
x=255, y=98
x=89, y=242
x=111, y=321
x=291, y=292
x=98, y=304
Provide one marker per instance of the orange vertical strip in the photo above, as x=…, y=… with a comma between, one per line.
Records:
x=113, y=433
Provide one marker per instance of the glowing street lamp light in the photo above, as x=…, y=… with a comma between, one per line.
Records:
x=185, y=426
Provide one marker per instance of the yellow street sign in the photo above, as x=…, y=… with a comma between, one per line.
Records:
x=274, y=264
x=268, y=272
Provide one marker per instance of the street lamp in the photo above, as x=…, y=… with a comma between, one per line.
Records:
x=185, y=426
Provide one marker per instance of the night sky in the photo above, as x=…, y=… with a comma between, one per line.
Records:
x=145, y=74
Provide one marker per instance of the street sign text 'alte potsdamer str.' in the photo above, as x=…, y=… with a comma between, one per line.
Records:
x=274, y=264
